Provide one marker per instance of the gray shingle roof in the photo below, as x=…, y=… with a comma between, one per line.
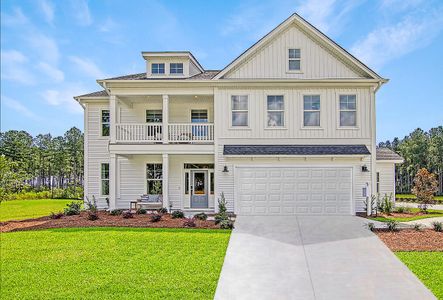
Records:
x=295, y=150
x=387, y=154
x=206, y=75
x=102, y=93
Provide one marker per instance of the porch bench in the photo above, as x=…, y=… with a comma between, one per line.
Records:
x=145, y=203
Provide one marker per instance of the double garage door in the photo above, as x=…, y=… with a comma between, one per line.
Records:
x=293, y=191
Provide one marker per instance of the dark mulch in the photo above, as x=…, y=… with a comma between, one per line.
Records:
x=412, y=240
x=105, y=220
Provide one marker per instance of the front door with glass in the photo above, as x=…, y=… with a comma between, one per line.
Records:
x=199, y=189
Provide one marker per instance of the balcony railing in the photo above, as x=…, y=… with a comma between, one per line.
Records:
x=153, y=133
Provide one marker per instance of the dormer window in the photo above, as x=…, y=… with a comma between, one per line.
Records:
x=176, y=68
x=158, y=68
x=294, y=60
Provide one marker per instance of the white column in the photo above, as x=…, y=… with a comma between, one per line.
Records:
x=113, y=181
x=113, y=112
x=373, y=168
x=165, y=113
x=165, y=172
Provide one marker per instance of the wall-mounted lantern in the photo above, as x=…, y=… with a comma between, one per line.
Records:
x=364, y=168
x=225, y=169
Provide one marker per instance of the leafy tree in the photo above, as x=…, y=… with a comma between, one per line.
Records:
x=425, y=186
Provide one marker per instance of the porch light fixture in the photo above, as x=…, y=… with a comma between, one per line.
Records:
x=364, y=168
x=225, y=169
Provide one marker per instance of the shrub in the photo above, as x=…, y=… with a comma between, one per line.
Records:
x=417, y=227
x=386, y=205
x=162, y=210
x=57, y=215
x=189, y=222
x=141, y=211
x=72, y=208
x=178, y=214
x=226, y=224
x=425, y=186
x=201, y=216
x=403, y=209
x=92, y=215
x=220, y=217
x=116, y=212
x=156, y=217
x=392, y=225
x=438, y=226
x=91, y=205
x=222, y=203
x=127, y=214
x=371, y=226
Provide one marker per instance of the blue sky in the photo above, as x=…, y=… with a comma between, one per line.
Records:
x=53, y=50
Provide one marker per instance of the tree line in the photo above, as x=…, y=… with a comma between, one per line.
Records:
x=420, y=149
x=42, y=162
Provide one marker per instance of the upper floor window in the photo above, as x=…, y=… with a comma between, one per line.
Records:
x=294, y=59
x=239, y=110
x=104, y=176
x=311, y=110
x=154, y=116
x=348, y=110
x=176, y=68
x=106, y=124
x=276, y=111
x=158, y=68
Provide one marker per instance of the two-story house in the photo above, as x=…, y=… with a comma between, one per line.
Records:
x=288, y=127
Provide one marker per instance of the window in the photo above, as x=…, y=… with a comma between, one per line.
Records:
x=198, y=166
x=348, y=110
x=276, y=111
x=199, y=116
x=378, y=182
x=154, y=116
x=154, y=178
x=106, y=125
x=211, y=185
x=186, y=183
x=294, y=59
x=104, y=176
x=239, y=107
x=176, y=68
x=311, y=110
x=158, y=68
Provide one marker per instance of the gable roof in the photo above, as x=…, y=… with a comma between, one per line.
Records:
x=205, y=75
x=102, y=93
x=295, y=18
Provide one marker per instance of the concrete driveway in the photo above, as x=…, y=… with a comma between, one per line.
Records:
x=310, y=257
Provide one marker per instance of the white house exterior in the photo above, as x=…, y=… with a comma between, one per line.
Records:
x=287, y=128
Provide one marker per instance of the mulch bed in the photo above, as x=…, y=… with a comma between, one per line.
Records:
x=105, y=220
x=412, y=240
x=402, y=215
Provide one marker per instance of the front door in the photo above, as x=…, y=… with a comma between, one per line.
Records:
x=199, y=189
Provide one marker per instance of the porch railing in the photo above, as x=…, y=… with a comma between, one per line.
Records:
x=140, y=133
x=191, y=132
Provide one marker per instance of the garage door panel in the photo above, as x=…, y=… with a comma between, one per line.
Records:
x=294, y=190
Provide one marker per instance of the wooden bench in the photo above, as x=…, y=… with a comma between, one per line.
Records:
x=144, y=203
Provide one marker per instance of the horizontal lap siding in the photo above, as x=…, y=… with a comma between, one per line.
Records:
x=387, y=178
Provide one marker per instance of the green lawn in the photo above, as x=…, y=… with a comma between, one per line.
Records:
x=27, y=209
x=432, y=213
x=428, y=267
x=409, y=197
x=112, y=263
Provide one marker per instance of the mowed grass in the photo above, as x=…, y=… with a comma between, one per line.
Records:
x=112, y=263
x=432, y=213
x=428, y=267
x=28, y=209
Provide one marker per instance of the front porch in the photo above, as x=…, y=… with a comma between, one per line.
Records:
x=180, y=181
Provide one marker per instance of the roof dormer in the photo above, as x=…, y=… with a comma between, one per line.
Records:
x=171, y=64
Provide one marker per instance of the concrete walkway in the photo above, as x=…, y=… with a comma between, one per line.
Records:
x=424, y=222
x=310, y=257
x=415, y=205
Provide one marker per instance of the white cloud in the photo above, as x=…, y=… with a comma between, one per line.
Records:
x=13, y=67
x=63, y=98
x=81, y=12
x=16, y=18
x=45, y=46
x=400, y=5
x=19, y=107
x=87, y=66
x=47, y=8
x=391, y=42
x=108, y=25
x=51, y=71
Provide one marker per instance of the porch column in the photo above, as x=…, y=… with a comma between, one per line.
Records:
x=165, y=183
x=165, y=115
x=113, y=181
x=113, y=111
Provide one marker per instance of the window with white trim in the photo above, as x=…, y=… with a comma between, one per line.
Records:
x=104, y=178
x=239, y=110
x=311, y=110
x=294, y=63
x=157, y=68
x=378, y=182
x=348, y=110
x=276, y=111
x=176, y=68
x=154, y=116
x=154, y=179
x=106, y=122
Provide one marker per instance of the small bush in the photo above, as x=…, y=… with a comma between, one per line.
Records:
x=57, y=215
x=127, y=214
x=201, y=216
x=116, y=212
x=417, y=227
x=403, y=209
x=141, y=211
x=226, y=224
x=156, y=218
x=222, y=204
x=189, y=222
x=425, y=186
x=162, y=210
x=221, y=217
x=371, y=226
x=392, y=225
x=386, y=205
x=438, y=226
x=72, y=208
x=92, y=216
x=178, y=214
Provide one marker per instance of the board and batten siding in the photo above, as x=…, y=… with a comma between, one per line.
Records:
x=387, y=178
x=271, y=60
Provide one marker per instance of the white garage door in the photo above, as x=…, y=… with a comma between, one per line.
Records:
x=293, y=191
